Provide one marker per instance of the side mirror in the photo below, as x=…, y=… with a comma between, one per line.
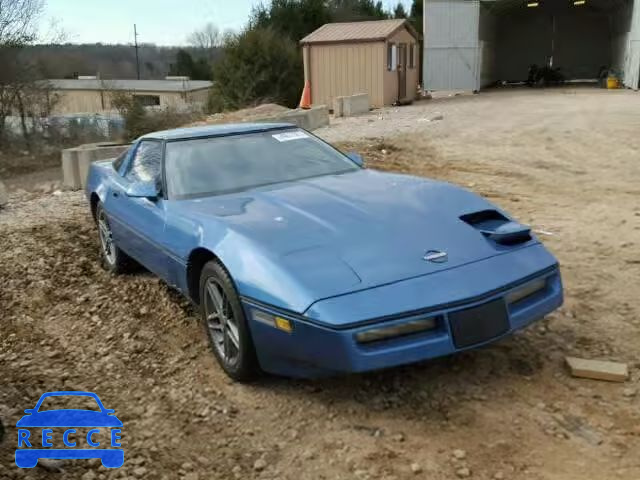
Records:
x=109, y=411
x=143, y=190
x=356, y=158
x=30, y=411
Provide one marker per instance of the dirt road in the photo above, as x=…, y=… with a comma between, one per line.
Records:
x=565, y=161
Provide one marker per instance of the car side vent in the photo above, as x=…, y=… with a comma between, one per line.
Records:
x=495, y=226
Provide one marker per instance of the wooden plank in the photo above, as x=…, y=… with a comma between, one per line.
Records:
x=598, y=369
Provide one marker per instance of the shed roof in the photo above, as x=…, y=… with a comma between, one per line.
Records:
x=131, y=85
x=350, y=32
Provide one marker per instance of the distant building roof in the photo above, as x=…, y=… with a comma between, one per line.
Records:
x=371, y=31
x=131, y=85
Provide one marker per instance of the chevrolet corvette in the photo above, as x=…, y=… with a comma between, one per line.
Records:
x=304, y=263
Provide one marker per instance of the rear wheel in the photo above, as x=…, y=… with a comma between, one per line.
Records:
x=112, y=258
x=225, y=323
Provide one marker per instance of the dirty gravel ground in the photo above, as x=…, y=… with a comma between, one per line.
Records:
x=565, y=161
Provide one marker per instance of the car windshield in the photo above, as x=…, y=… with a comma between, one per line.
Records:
x=64, y=402
x=216, y=165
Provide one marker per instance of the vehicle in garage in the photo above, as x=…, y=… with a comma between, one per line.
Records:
x=304, y=263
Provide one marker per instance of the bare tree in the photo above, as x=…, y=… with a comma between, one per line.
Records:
x=208, y=38
x=18, y=21
x=18, y=82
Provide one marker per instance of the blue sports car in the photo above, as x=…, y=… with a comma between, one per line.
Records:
x=304, y=263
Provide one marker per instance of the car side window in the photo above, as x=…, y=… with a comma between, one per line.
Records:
x=146, y=164
x=117, y=163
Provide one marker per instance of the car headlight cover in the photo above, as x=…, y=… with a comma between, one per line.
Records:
x=529, y=289
x=394, y=331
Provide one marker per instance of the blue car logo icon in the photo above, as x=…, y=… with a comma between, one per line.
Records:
x=103, y=429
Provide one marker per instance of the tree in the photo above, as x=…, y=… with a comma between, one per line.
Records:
x=186, y=66
x=416, y=15
x=18, y=21
x=257, y=65
x=399, y=11
x=19, y=83
x=208, y=39
x=293, y=18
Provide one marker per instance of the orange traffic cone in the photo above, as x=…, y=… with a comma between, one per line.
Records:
x=305, y=100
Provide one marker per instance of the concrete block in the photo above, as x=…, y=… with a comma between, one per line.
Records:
x=598, y=370
x=356, y=104
x=70, y=173
x=338, y=106
x=318, y=116
x=76, y=161
x=311, y=119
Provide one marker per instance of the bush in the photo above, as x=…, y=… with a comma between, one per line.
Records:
x=139, y=121
x=257, y=66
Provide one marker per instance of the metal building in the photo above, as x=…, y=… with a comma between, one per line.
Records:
x=381, y=58
x=470, y=44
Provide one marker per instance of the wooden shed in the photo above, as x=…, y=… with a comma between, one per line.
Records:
x=381, y=58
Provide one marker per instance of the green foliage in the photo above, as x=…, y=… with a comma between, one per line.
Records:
x=416, y=15
x=399, y=11
x=186, y=66
x=258, y=65
x=293, y=18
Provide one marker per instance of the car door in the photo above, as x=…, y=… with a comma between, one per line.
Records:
x=138, y=223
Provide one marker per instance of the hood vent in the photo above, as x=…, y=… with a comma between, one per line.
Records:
x=495, y=226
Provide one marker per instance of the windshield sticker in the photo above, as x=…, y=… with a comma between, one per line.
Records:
x=288, y=136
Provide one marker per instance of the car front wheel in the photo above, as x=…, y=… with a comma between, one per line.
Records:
x=225, y=323
x=112, y=258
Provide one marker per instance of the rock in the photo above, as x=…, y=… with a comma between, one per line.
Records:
x=437, y=118
x=398, y=437
x=459, y=454
x=416, y=468
x=260, y=464
x=499, y=476
x=190, y=476
x=51, y=464
x=463, y=472
x=139, y=472
x=90, y=475
x=629, y=392
x=4, y=196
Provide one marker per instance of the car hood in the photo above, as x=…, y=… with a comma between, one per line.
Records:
x=69, y=418
x=353, y=231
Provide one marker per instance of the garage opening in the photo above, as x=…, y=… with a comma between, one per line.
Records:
x=472, y=44
x=551, y=41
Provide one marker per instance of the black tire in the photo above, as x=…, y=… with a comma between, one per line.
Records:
x=243, y=366
x=117, y=261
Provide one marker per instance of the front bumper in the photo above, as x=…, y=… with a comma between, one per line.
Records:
x=315, y=350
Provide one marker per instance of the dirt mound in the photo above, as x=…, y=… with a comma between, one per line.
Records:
x=245, y=115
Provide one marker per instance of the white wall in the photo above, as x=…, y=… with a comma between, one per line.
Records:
x=451, y=44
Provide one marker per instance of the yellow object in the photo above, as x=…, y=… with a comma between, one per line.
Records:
x=613, y=83
x=283, y=324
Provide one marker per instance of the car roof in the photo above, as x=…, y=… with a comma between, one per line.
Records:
x=215, y=130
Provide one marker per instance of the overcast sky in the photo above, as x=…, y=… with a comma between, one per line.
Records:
x=163, y=22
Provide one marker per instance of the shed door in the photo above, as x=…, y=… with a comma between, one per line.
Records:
x=452, y=47
x=402, y=71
